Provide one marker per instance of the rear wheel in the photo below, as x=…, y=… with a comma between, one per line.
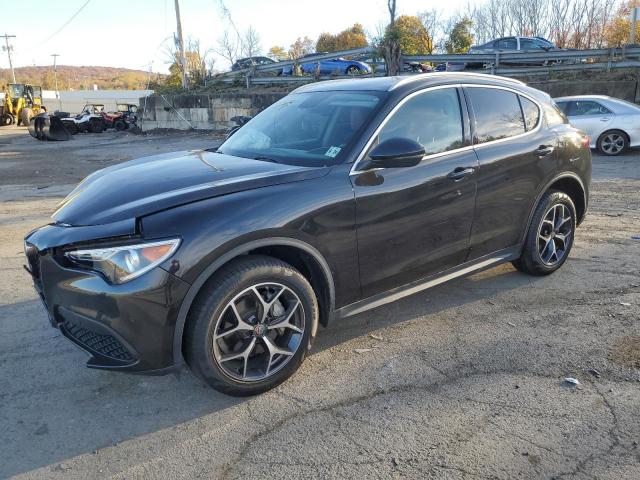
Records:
x=251, y=326
x=353, y=70
x=25, y=116
x=550, y=236
x=613, y=142
x=119, y=125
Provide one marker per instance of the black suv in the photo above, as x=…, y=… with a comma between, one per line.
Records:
x=341, y=197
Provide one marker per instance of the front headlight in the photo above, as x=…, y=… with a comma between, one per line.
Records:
x=122, y=264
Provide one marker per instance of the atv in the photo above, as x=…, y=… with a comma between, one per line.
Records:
x=128, y=116
x=89, y=120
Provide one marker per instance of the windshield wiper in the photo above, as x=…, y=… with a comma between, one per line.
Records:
x=266, y=159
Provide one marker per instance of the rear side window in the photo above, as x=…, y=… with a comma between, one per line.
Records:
x=498, y=114
x=506, y=44
x=432, y=119
x=531, y=113
x=586, y=107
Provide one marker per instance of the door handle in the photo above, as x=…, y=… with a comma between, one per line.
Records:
x=544, y=150
x=460, y=172
x=605, y=119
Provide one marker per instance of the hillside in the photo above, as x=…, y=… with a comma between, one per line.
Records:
x=81, y=78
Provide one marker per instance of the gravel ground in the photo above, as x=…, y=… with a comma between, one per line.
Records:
x=461, y=381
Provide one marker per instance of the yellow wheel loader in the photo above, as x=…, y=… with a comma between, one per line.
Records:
x=22, y=102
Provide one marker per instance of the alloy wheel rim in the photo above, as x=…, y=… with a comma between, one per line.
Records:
x=613, y=143
x=555, y=234
x=258, y=332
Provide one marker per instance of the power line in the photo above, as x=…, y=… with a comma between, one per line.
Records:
x=67, y=22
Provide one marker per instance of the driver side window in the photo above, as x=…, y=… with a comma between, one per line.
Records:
x=432, y=119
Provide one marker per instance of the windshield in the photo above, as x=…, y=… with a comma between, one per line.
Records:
x=311, y=129
x=17, y=90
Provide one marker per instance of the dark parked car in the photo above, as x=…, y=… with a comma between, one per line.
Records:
x=329, y=66
x=251, y=62
x=340, y=197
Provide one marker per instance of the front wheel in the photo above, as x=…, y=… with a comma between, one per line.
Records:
x=251, y=326
x=613, y=143
x=550, y=236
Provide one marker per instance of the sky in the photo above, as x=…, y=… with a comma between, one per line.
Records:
x=134, y=33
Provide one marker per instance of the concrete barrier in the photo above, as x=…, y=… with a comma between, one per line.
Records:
x=202, y=112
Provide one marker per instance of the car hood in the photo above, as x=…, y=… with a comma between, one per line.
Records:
x=151, y=184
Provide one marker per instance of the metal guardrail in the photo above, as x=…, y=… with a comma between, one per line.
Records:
x=289, y=63
x=495, y=63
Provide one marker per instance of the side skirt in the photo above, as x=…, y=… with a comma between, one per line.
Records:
x=477, y=265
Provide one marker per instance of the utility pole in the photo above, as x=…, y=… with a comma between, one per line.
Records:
x=8, y=48
x=55, y=77
x=635, y=16
x=183, y=63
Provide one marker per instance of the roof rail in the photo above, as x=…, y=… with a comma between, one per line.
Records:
x=413, y=78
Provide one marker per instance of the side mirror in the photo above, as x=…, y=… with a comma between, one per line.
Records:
x=396, y=152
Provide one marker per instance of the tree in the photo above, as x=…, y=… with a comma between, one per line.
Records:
x=617, y=32
x=174, y=79
x=251, y=43
x=414, y=38
x=300, y=48
x=48, y=81
x=391, y=43
x=227, y=48
x=431, y=21
x=460, y=38
x=277, y=53
x=353, y=37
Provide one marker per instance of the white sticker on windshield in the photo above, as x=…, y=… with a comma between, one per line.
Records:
x=333, y=151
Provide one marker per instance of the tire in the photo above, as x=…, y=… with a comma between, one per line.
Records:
x=230, y=296
x=7, y=119
x=25, y=116
x=537, y=255
x=612, y=143
x=119, y=125
x=352, y=70
x=96, y=125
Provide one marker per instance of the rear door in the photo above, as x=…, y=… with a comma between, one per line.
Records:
x=508, y=44
x=589, y=116
x=515, y=155
x=415, y=221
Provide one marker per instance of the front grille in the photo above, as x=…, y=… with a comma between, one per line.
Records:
x=102, y=344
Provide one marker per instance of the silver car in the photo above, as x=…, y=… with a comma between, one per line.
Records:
x=613, y=125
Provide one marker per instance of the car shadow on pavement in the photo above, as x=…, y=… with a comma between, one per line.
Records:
x=52, y=408
x=479, y=287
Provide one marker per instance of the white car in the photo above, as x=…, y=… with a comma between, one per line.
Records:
x=613, y=125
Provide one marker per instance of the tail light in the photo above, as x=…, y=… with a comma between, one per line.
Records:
x=585, y=141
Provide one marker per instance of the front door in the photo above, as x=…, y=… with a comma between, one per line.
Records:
x=415, y=221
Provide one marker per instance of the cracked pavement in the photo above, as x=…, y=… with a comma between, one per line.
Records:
x=462, y=381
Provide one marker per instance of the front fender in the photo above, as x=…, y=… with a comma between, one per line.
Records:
x=229, y=255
